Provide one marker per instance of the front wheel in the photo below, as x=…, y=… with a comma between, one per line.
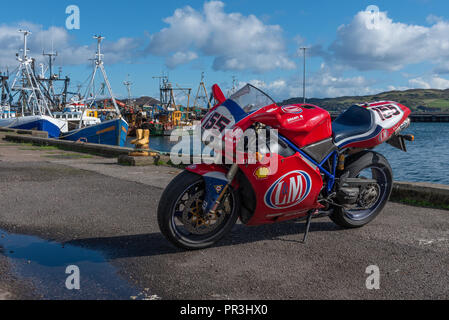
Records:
x=182, y=220
x=372, y=199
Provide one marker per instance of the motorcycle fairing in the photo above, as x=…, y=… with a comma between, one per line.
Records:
x=215, y=183
x=215, y=179
x=223, y=117
x=290, y=193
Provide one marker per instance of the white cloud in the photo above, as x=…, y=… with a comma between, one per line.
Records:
x=431, y=19
x=58, y=39
x=180, y=58
x=122, y=50
x=389, y=45
x=432, y=82
x=236, y=42
x=325, y=83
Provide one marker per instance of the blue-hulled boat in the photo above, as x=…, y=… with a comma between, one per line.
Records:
x=53, y=126
x=112, y=132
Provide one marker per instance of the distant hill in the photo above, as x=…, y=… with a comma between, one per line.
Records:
x=143, y=101
x=418, y=100
x=147, y=101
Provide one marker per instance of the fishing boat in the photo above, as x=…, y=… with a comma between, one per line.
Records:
x=157, y=130
x=6, y=113
x=75, y=113
x=40, y=123
x=112, y=132
x=109, y=131
x=35, y=110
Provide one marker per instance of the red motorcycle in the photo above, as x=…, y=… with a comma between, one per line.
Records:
x=320, y=168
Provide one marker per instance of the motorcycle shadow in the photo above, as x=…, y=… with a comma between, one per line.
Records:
x=154, y=244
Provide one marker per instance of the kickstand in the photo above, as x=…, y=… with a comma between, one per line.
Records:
x=309, y=222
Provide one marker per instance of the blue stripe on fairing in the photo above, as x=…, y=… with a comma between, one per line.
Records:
x=235, y=110
x=375, y=134
x=41, y=125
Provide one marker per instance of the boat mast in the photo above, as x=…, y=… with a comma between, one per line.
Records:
x=99, y=64
x=202, y=94
x=51, y=58
x=6, y=98
x=128, y=85
x=25, y=81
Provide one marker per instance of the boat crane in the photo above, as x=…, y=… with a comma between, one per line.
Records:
x=99, y=65
x=31, y=95
x=202, y=95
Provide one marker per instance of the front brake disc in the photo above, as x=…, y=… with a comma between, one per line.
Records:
x=194, y=219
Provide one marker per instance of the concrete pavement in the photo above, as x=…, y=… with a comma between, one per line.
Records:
x=94, y=204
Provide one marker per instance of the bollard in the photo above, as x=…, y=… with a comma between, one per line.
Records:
x=141, y=144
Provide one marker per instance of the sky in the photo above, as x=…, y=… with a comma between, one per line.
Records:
x=354, y=47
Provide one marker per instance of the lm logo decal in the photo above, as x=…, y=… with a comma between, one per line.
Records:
x=289, y=191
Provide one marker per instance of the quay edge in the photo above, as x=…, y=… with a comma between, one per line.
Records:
x=427, y=193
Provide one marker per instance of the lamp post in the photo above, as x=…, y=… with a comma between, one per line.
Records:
x=304, y=49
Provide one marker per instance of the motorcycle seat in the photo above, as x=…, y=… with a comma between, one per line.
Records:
x=353, y=125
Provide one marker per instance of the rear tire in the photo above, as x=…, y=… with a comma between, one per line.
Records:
x=174, y=210
x=381, y=171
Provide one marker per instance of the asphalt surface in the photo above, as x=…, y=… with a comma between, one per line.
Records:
x=94, y=204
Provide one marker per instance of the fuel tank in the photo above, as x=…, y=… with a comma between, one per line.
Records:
x=305, y=124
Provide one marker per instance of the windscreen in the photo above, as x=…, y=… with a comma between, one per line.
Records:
x=251, y=99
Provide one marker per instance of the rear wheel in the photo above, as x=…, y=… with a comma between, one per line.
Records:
x=372, y=199
x=182, y=220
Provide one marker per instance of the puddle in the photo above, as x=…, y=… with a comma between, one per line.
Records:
x=44, y=263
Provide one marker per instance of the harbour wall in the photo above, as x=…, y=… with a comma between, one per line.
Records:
x=34, y=133
x=419, y=193
x=89, y=148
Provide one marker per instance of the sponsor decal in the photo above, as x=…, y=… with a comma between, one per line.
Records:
x=295, y=119
x=292, y=109
x=218, y=189
x=262, y=173
x=289, y=190
x=383, y=136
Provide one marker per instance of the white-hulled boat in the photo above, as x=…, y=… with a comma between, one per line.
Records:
x=35, y=111
x=53, y=126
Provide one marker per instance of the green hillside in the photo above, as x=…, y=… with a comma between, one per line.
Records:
x=419, y=100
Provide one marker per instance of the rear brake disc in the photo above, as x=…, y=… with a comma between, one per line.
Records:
x=369, y=196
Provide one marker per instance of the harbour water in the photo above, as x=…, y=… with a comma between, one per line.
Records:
x=427, y=159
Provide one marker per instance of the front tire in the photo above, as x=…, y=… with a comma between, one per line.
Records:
x=381, y=171
x=181, y=218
